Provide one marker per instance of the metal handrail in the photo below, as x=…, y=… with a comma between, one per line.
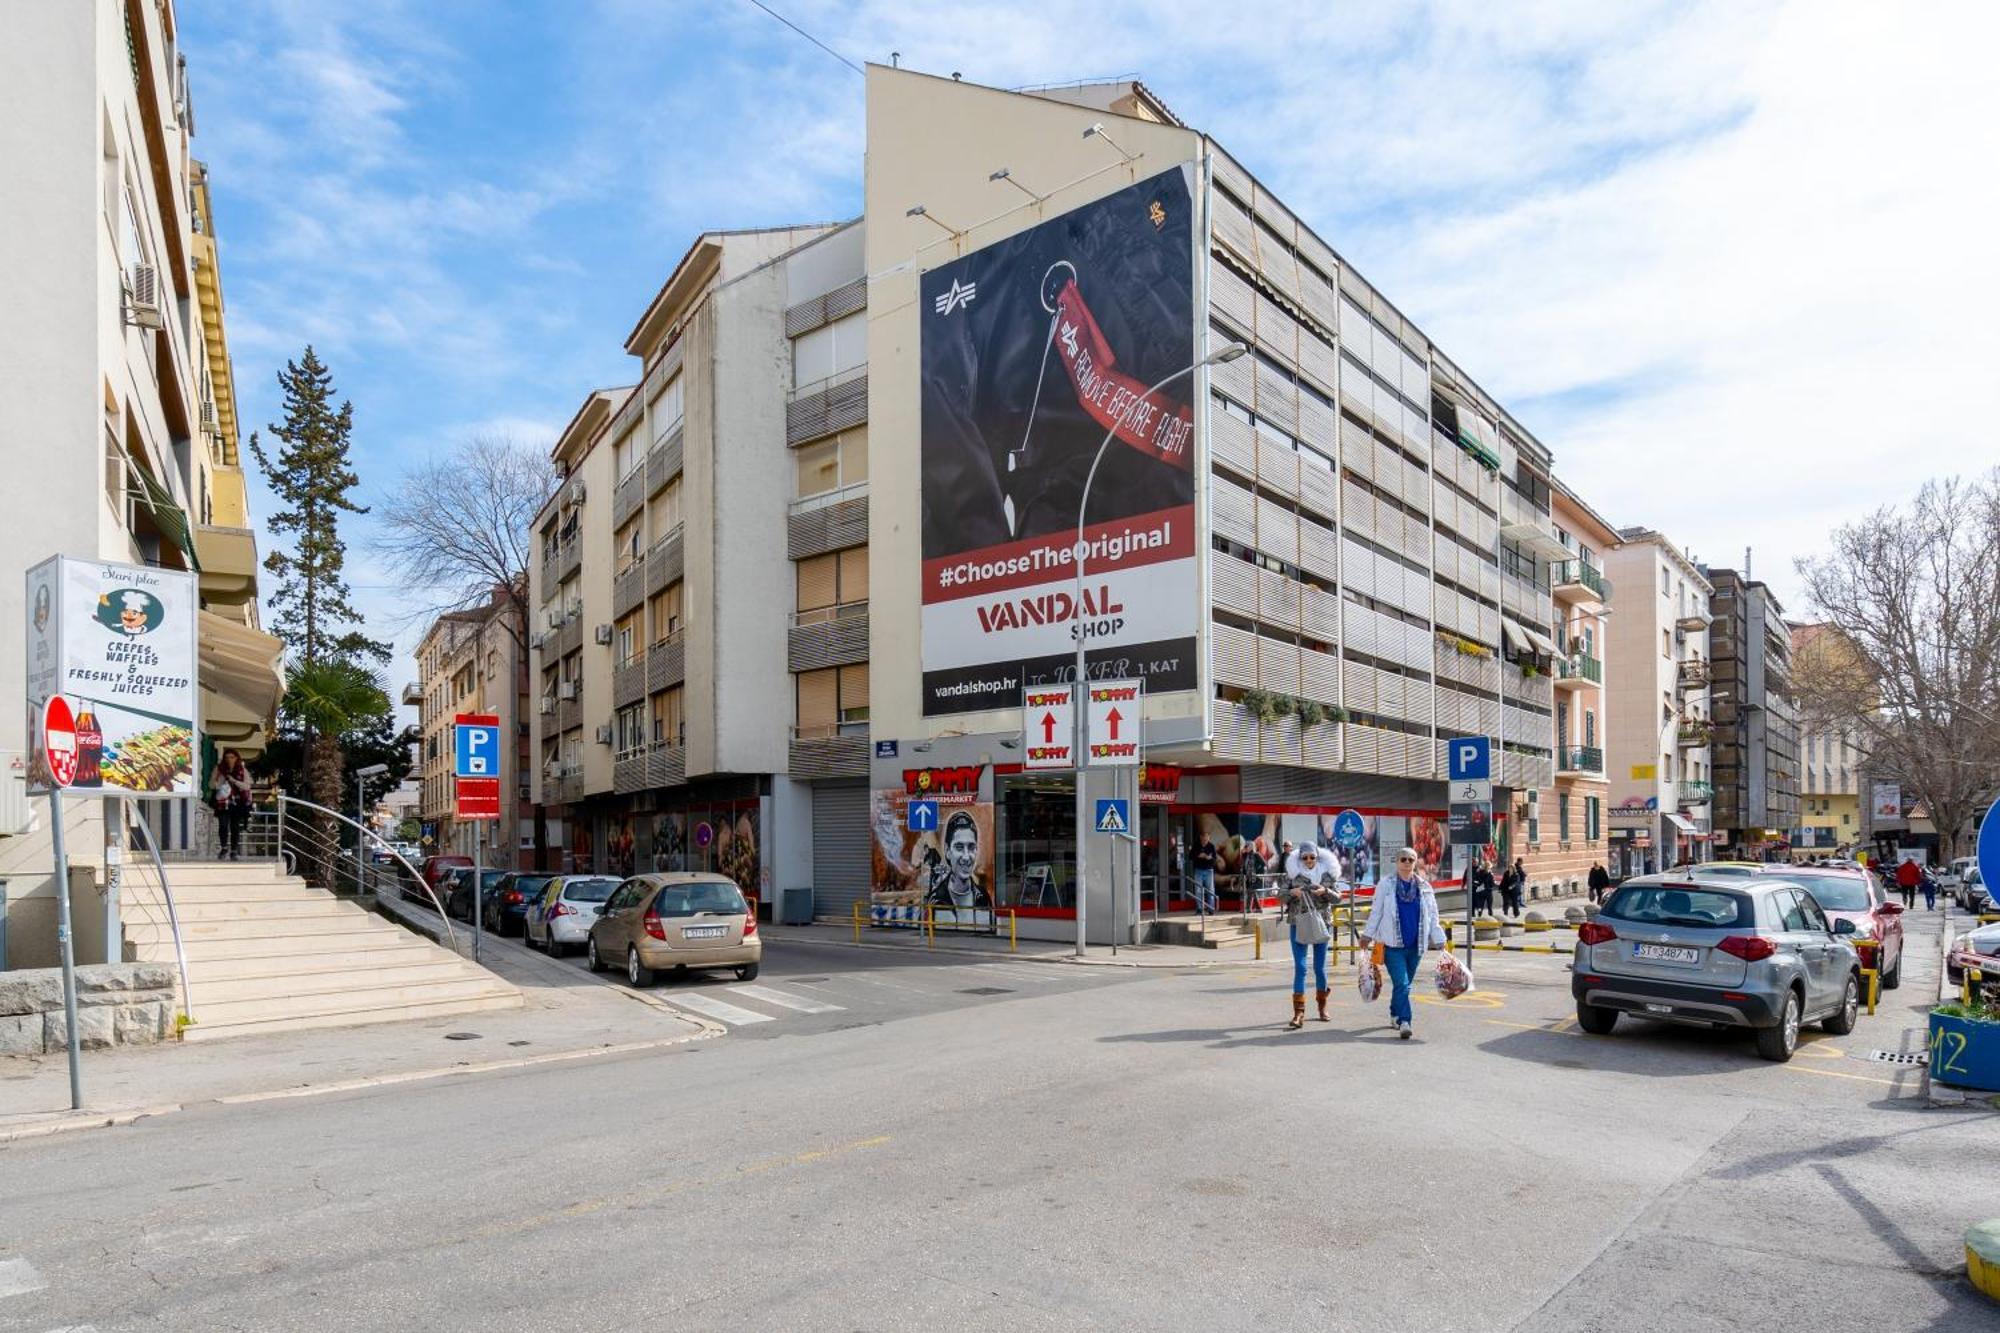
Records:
x=284, y=799
x=173, y=917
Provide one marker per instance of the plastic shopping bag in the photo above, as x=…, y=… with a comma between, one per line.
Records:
x=1453, y=978
x=1369, y=983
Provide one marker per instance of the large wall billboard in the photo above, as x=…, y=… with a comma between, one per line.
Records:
x=1032, y=349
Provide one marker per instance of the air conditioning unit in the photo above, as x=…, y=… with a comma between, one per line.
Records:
x=576, y=491
x=536, y=640
x=604, y=734
x=548, y=705
x=142, y=298
x=555, y=620
x=604, y=634
x=210, y=422
x=566, y=690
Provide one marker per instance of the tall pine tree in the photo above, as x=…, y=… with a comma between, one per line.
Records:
x=313, y=477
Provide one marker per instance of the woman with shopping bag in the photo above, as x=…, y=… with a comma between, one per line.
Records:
x=1402, y=924
x=1309, y=896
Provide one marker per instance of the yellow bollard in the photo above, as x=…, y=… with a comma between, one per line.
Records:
x=1013, y=931
x=930, y=926
x=857, y=923
x=1260, y=939
x=1874, y=985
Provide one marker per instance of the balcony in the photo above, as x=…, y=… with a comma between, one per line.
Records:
x=1575, y=673
x=829, y=636
x=1692, y=674
x=413, y=693
x=1579, y=761
x=1695, y=792
x=228, y=558
x=1694, y=735
x=843, y=754
x=569, y=559
x=1577, y=582
x=1692, y=621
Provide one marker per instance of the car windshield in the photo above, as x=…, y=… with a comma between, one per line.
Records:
x=588, y=890
x=1836, y=893
x=532, y=885
x=1679, y=905
x=488, y=878
x=708, y=895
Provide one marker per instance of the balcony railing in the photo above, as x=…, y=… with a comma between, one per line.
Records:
x=1579, y=759
x=1580, y=667
x=1693, y=672
x=1695, y=791
x=1694, y=733
x=1576, y=573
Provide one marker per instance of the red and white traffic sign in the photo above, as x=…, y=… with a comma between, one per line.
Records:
x=478, y=798
x=1113, y=721
x=1048, y=727
x=59, y=740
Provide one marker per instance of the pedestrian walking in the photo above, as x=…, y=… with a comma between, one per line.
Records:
x=1204, y=874
x=1308, y=898
x=1930, y=890
x=231, y=796
x=1404, y=921
x=1908, y=876
x=1511, y=885
x=1479, y=883
x=1600, y=881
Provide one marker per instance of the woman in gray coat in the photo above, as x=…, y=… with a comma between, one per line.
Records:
x=1309, y=888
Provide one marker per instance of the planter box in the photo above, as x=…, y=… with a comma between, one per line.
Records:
x=1965, y=1052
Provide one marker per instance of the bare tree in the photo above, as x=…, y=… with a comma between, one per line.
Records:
x=456, y=533
x=1912, y=666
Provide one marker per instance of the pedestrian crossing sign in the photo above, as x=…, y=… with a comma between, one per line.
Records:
x=1112, y=816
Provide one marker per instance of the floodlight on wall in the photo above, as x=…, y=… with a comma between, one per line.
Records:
x=919, y=211
x=1096, y=131
x=1007, y=175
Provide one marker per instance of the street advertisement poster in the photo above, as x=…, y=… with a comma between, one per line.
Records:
x=117, y=642
x=949, y=869
x=1251, y=842
x=1032, y=350
x=1471, y=823
x=1887, y=802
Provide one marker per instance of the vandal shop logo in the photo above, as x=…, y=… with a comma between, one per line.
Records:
x=956, y=296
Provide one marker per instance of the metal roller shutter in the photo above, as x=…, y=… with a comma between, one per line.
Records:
x=841, y=853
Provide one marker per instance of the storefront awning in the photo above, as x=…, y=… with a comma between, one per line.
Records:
x=1684, y=824
x=168, y=517
x=243, y=668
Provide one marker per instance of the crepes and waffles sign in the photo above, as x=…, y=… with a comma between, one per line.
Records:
x=116, y=643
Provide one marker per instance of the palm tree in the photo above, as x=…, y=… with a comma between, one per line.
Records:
x=330, y=700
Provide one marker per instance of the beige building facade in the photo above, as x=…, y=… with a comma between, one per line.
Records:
x=472, y=661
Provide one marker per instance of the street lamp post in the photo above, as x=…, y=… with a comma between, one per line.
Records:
x=1228, y=352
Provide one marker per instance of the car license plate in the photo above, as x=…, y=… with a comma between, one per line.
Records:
x=1659, y=1009
x=704, y=932
x=1665, y=953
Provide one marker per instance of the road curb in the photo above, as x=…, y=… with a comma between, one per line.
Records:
x=74, y=1120
x=1062, y=960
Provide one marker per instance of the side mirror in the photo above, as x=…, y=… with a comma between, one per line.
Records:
x=1843, y=927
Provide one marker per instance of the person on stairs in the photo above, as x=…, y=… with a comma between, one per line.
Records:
x=232, y=802
x=1309, y=896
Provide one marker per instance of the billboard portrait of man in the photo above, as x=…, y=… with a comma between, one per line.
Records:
x=1032, y=350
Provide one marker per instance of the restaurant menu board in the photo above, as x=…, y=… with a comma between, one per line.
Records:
x=118, y=643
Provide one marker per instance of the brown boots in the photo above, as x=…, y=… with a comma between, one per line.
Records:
x=1298, y=1012
x=1324, y=1017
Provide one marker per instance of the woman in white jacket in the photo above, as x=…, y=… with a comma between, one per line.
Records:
x=1309, y=887
x=1404, y=921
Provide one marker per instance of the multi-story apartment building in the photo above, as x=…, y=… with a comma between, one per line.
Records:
x=1756, y=742
x=1830, y=757
x=473, y=661
x=117, y=408
x=1659, y=668
x=1564, y=825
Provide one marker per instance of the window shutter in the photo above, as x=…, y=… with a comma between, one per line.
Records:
x=854, y=574
x=816, y=582
x=853, y=687
x=817, y=707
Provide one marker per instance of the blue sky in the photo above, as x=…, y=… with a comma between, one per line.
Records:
x=1730, y=261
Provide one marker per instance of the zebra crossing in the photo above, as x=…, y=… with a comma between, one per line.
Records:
x=864, y=994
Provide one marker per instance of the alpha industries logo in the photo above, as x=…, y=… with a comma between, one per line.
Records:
x=956, y=296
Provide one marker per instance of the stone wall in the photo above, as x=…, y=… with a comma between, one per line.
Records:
x=117, y=1004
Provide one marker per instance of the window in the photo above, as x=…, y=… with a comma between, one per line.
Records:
x=667, y=510
x=828, y=465
x=669, y=718
x=1562, y=816
x=1534, y=819
x=624, y=454
x=1666, y=583
x=626, y=547
x=1666, y=643
x=1589, y=727
x=667, y=409
x=665, y=611
x=831, y=700
x=830, y=584
x=1709, y=908
x=630, y=730
x=830, y=350
x=1593, y=814
x=626, y=641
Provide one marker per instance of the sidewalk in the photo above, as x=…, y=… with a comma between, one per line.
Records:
x=907, y=939
x=567, y=1015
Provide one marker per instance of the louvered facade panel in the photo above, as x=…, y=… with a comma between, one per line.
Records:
x=1277, y=399
x=1234, y=583
x=1361, y=687
x=1357, y=568
x=1231, y=177
x=1233, y=442
x=1319, y=491
x=628, y=682
x=628, y=589
x=628, y=495
x=1235, y=731
x=1233, y=227
x=1319, y=615
x=666, y=765
x=832, y=527
x=1278, y=666
x=1320, y=363
x=1277, y=531
x=666, y=665
x=1235, y=656
x=1319, y=676
x=1279, y=742
x=628, y=774
x=1277, y=331
x=1277, y=466
x=847, y=299
x=1277, y=599
x=1318, y=426
x=1234, y=511
x=840, y=642
x=1357, y=629
x=1357, y=509
x=665, y=562
x=1322, y=746
x=1235, y=379
x=1359, y=747
x=1231, y=296
x=1318, y=553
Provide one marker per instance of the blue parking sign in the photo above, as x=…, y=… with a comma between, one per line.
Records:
x=476, y=747
x=1470, y=758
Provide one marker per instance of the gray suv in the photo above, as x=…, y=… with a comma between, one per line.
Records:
x=1753, y=953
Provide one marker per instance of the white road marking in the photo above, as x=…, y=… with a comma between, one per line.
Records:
x=18, y=1277
x=784, y=1001
x=720, y=1010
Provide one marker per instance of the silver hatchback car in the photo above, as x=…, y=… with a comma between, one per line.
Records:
x=1714, y=952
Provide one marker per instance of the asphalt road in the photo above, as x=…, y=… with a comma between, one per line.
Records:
x=1110, y=1149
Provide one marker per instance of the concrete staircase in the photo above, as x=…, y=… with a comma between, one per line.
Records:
x=1215, y=932
x=268, y=953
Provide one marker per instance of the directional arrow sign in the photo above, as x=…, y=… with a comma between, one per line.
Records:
x=1115, y=708
x=1048, y=727
x=923, y=816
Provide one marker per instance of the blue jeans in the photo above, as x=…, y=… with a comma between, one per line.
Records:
x=1204, y=889
x=1402, y=968
x=1299, y=966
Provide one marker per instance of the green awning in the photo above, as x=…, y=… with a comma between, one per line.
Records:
x=170, y=518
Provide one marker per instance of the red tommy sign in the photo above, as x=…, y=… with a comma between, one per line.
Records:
x=944, y=784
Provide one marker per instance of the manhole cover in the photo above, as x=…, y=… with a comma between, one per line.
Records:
x=987, y=990
x=1900, y=1057
x=461, y=1036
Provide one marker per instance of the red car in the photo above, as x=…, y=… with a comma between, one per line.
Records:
x=1857, y=896
x=1978, y=949
x=434, y=868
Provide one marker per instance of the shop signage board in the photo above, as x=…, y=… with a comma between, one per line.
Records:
x=1887, y=802
x=1032, y=350
x=1048, y=727
x=117, y=644
x=1112, y=723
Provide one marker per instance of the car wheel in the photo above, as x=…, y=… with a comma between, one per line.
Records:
x=636, y=972
x=553, y=946
x=590, y=957
x=1841, y=1021
x=747, y=972
x=1777, y=1043
x=1894, y=976
x=1595, y=1018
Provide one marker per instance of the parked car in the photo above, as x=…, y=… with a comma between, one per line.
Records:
x=1975, y=949
x=1857, y=896
x=677, y=921
x=1953, y=875
x=508, y=898
x=1752, y=952
x=1973, y=894
x=434, y=870
x=458, y=891
x=1727, y=869
x=561, y=918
